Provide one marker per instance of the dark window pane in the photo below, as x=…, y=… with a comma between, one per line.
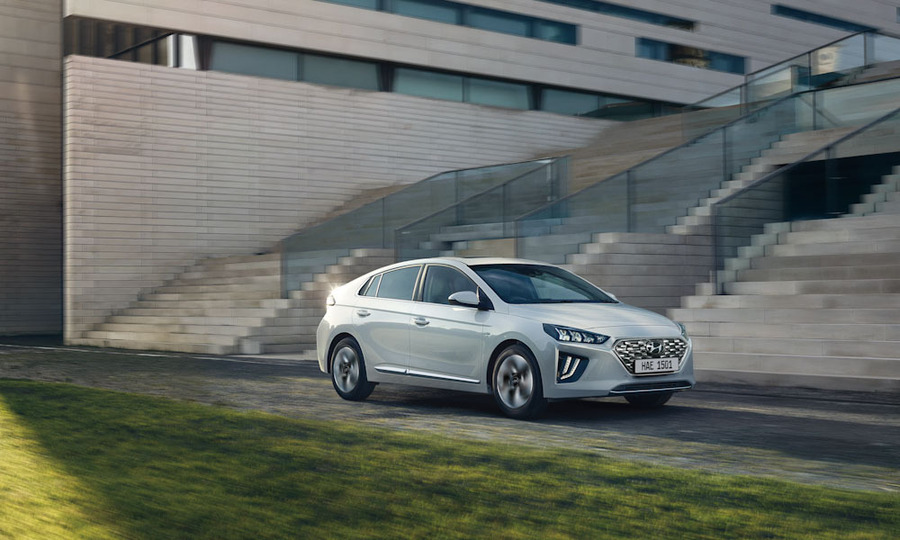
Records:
x=565, y=102
x=259, y=61
x=442, y=281
x=416, y=82
x=817, y=18
x=626, y=12
x=498, y=21
x=368, y=4
x=499, y=94
x=555, y=31
x=445, y=12
x=340, y=72
x=371, y=287
x=727, y=62
x=655, y=50
x=399, y=284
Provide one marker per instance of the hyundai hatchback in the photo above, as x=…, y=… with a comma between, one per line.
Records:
x=526, y=332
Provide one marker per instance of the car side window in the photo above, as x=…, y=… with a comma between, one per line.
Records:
x=399, y=284
x=370, y=288
x=442, y=281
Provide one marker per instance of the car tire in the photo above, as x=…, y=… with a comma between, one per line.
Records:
x=348, y=371
x=516, y=383
x=652, y=400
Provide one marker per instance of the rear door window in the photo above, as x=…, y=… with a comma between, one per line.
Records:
x=399, y=284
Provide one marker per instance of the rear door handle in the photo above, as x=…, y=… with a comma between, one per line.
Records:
x=421, y=321
x=362, y=313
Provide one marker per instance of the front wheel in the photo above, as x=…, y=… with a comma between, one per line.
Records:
x=348, y=371
x=517, y=384
x=652, y=400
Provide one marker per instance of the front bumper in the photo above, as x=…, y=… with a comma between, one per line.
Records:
x=605, y=375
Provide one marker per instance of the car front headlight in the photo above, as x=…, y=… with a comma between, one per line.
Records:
x=573, y=335
x=683, y=329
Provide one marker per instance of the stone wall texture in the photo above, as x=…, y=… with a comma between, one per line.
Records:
x=165, y=166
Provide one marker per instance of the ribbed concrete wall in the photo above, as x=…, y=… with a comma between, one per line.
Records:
x=167, y=166
x=604, y=60
x=30, y=184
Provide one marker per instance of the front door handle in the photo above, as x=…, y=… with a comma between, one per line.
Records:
x=362, y=313
x=421, y=321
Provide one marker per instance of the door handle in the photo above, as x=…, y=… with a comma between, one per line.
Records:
x=362, y=313
x=421, y=321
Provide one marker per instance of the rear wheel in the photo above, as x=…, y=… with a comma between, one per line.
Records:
x=649, y=401
x=517, y=384
x=348, y=371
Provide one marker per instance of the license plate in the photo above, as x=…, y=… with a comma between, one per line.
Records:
x=656, y=365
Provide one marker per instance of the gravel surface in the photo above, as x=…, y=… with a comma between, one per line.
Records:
x=843, y=440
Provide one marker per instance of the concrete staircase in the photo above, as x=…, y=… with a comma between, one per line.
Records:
x=231, y=305
x=809, y=303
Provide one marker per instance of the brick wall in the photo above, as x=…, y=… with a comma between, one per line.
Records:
x=167, y=166
x=30, y=184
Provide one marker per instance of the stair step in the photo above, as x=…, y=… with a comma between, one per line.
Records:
x=805, y=301
x=885, y=271
x=783, y=315
x=800, y=347
x=793, y=330
x=836, y=286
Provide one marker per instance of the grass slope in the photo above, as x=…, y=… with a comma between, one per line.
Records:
x=83, y=463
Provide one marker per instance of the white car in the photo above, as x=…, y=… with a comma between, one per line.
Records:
x=524, y=331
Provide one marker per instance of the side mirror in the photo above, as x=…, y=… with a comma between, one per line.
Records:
x=469, y=299
x=464, y=298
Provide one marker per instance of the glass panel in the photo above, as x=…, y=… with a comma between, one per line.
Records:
x=372, y=286
x=442, y=281
x=340, y=72
x=555, y=31
x=445, y=12
x=727, y=62
x=428, y=84
x=566, y=102
x=399, y=284
x=497, y=21
x=655, y=50
x=830, y=63
x=368, y=4
x=884, y=48
x=258, y=61
x=500, y=94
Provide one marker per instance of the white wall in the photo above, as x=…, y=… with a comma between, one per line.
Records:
x=603, y=61
x=167, y=166
x=30, y=178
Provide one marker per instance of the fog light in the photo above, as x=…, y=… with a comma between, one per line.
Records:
x=569, y=367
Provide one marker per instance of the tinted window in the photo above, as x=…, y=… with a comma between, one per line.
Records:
x=258, y=61
x=399, y=284
x=340, y=72
x=370, y=288
x=416, y=82
x=442, y=281
x=538, y=284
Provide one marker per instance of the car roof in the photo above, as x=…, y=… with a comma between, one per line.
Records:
x=476, y=261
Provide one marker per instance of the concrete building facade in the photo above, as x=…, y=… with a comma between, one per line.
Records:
x=238, y=122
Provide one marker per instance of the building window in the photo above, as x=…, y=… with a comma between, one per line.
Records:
x=493, y=20
x=257, y=61
x=626, y=12
x=690, y=56
x=817, y=18
x=340, y=72
x=417, y=82
x=498, y=94
x=103, y=39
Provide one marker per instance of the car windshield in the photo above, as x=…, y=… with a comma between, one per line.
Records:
x=538, y=284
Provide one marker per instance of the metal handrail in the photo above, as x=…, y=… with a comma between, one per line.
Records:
x=715, y=207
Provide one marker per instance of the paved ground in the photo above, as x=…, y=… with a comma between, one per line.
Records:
x=845, y=440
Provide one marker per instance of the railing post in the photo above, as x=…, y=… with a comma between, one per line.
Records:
x=714, y=226
x=629, y=195
x=831, y=181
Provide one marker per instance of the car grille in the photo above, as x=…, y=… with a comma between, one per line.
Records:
x=629, y=350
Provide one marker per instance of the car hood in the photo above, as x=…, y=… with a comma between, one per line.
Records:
x=591, y=316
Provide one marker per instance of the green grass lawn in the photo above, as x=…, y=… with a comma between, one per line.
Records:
x=83, y=463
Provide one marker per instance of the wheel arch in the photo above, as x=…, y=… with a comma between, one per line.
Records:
x=489, y=376
x=334, y=341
